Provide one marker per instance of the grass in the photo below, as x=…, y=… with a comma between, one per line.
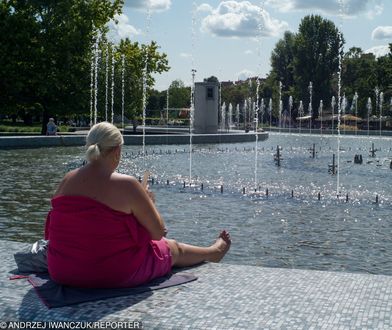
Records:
x=20, y=127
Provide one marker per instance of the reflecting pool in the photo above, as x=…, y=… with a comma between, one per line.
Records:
x=291, y=227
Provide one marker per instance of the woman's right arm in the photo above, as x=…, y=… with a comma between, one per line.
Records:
x=144, y=209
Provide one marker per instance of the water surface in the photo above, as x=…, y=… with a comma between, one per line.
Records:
x=277, y=231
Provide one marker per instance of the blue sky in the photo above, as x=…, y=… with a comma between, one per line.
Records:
x=234, y=39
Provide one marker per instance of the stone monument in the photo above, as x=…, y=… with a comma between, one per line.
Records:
x=206, y=108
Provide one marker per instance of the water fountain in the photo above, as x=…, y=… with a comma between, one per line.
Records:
x=290, y=110
x=343, y=108
x=301, y=113
x=369, y=112
x=122, y=89
x=381, y=104
x=92, y=70
x=321, y=116
x=333, y=103
x=94, y=81
x=262, y=111
x=144, y=104
x=237, y=116
x=191, y=117
x=339, y=101
x=106, y=81
x=310, y=106
x=211, y=165
x=256, y=122
x=112, y=88
x=144, y=83
x=96, y=60
x=270, y=111
x=280, y=105
x=223, y=117
x=230, y=117
x=355, y=102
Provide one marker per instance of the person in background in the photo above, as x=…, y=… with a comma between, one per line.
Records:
x=51, y=127
x=104, y=230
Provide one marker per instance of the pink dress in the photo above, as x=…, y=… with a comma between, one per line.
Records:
x=92, y=245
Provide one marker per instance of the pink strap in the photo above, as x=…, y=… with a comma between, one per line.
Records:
x=17, y=277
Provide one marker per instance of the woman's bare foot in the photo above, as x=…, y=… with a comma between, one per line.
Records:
x=220, y=247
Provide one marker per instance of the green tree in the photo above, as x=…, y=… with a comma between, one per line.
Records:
x=179, y=95
x=359, y=75
x=282, y=60
x=135, y=56
x=211, y=79
x=316, y=59
x=52, y=49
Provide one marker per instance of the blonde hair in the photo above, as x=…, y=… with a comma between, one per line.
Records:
x=101, y=138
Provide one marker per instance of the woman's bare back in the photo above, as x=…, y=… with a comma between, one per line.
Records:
x=110, y=189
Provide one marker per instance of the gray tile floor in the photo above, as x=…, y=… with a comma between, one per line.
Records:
x=224, y=297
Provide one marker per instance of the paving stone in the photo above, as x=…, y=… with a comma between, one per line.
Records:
x=224, y=297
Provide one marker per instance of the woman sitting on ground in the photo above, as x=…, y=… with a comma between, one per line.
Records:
x=104, y=230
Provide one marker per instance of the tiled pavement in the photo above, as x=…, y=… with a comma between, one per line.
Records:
x=224, y=297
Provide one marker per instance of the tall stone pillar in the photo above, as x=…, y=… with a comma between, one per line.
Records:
x=206, y=108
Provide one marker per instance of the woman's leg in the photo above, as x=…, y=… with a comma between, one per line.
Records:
x=187, y=255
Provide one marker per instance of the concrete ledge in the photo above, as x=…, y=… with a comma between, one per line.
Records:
x=328, y=131
x=79, y=140
x=224, y=297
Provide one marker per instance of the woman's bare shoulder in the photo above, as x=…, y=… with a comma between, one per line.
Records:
x=124, y=180
x=65, y=179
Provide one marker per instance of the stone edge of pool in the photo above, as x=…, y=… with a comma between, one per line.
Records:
x=16, y=142
x=225, y=296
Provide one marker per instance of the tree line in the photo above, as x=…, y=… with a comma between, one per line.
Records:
x=312, y=55
x=47, y=51
x=46, y=54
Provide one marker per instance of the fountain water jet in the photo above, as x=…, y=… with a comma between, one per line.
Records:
x=122, y=90
x=106, y=81
x=355, y=102
x=144, y=82
x=229, y=121
x=290, y=109
x=310, y=106
x=280, y=105
x=96, y=59
x=381, y=103
x=262, y=111
x=92, y=84
x=321, y=116
x=191, y=116
x=223, y=117
x=343, y=110
x=256, y=120
x=369, y=112
x=270, y=111
x=339, y=98
x=112, y=91
x=301, y=113
x=333, y=103
x=237, y=113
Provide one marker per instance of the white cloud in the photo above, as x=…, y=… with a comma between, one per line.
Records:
x=205, y=7
x=122, y=29
x=241, y=19
x=185, y=55
x=155, y=5
x=334, y=7
x=245, y=74
x=376, y=11
x=378, y=51
x=382, y=32
x=248, y=52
